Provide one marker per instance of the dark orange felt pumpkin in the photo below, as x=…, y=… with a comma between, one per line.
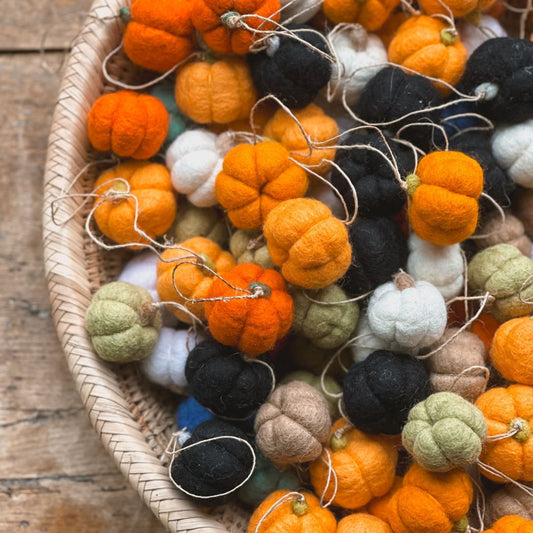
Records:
x=158, y=34
x=511, y=524
x=251, y=325
x=485, y=327
x=371, y=14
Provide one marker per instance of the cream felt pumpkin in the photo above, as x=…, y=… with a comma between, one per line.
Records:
x=360, y=56
x=412, y=314
x=512, y=147
x=473, y=35
x=299, y=11
x=442, y=266
x=194, y=160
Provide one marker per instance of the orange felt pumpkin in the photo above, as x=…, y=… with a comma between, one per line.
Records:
x=425, y=45
x=155, y=202
x=485, y=327
x=363, y=523
x=459, y=8
x=318, y=127
x=512, y=352
x=506, y=409
x=309, y=244
x=251, y=325
x=192, y=281
x=158, y=34
x=221, y=25
x=298, y=514
x=511, y=524
x=130, y=124
x=388, y=30
x=254, y=179
x=371, y=14
x=364, y=466
x=444, y=197
x=220, y=92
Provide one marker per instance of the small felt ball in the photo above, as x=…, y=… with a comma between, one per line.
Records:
x=412, y=314
x=442, y=266
x=500, y=72
x=378, y=192
x=444, y=432
x=213, y=467
x=511, y=524
x=510, y=500
x=379, y=250
x=290, y=69
x=363, y=523
x=510, y=230
x=221, y=380
x=327, y=326
x=250, y=247
x=379, y=392
x=266, y=479
x=123, y=322
x=191, y=414
x=166, y=364
x=474, y=35
x=450, y=369
x=293, y=424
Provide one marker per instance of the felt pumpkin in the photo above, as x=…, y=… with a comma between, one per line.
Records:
x=511, y=350
x=318, y=126
x=523, y=208
x=158, y=35
x=425, y=45
x=458, y=8
x=194, y=160
x=511, y=524
x=364, y=466
x=129, y=124
x=393, y=22
x=444, y=196
x=299, y=514
x=510, y=500
x=371, y=14
x=360, y=56
x=251, y=325
x=177, y=123
x=412, y=314
x=502, y=271
x=512, y=147
x=219, y=92
x=254, y=179
x=140, y=270
x=123, y=322
x=154, y=202
x=307, y=242
x=293, y=424
x=183, y=267
x=485, y=327
x=250, y=247
x=327, y=326
x=363, y=523
x=509, y=231
x=473, y=35
x=450, y=368
x=220, y=27
x=506, y=409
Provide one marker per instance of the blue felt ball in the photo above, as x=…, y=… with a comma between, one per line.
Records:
x=190, y=414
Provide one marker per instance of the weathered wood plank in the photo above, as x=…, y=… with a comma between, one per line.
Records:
x=55, y=475
x=40, y=24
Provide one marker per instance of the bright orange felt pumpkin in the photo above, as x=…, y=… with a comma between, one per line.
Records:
x=220, y=92
x=296, y=515
x=218, y=22
x=309, y=244
x=150, y=184
x=251, y=325
x=371, y=14
x=459, y=8
x=130, y=124
x=505, y=409
x=254, y=179
x=485, y=327
x=512, y=350
x=193, y=281
x=363, y=523
x=158, y=34
x=444, y=197
x=318, y=127
x=364, y=466
x=425, y=45
x=511, y=524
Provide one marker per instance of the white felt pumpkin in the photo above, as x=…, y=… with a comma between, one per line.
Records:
x=512, y=146
x=360, y=56
x=412, y=314
x=442, y=266
x=299, y=11
x=473, y=35
x=166, y=365
x=194, y=160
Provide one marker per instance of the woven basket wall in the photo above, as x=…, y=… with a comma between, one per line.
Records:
x=133, y=419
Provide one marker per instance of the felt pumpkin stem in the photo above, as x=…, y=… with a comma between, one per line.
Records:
x=448, y=36
x=125, y=14
x=204, y=260
x=524, y=429
x=403, y=281
x=461, y=526
x=338, y=442
x=231, y=19
x=256, y=287
x=299, y=506
x=147, y=313
x=359, y=37
x=413, y=182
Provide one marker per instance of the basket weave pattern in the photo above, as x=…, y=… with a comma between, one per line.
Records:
x=133, y=419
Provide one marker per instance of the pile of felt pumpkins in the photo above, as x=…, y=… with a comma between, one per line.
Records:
x=333, y=263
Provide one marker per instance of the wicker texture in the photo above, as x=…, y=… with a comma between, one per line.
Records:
x=133, y=419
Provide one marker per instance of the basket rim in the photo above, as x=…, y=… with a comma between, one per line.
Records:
x=69, y=282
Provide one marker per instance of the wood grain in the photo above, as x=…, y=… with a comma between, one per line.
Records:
x=55, y=476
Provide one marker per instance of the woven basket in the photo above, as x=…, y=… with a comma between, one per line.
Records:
x=133, y=419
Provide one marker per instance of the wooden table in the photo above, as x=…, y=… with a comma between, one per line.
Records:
x=55, y=476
